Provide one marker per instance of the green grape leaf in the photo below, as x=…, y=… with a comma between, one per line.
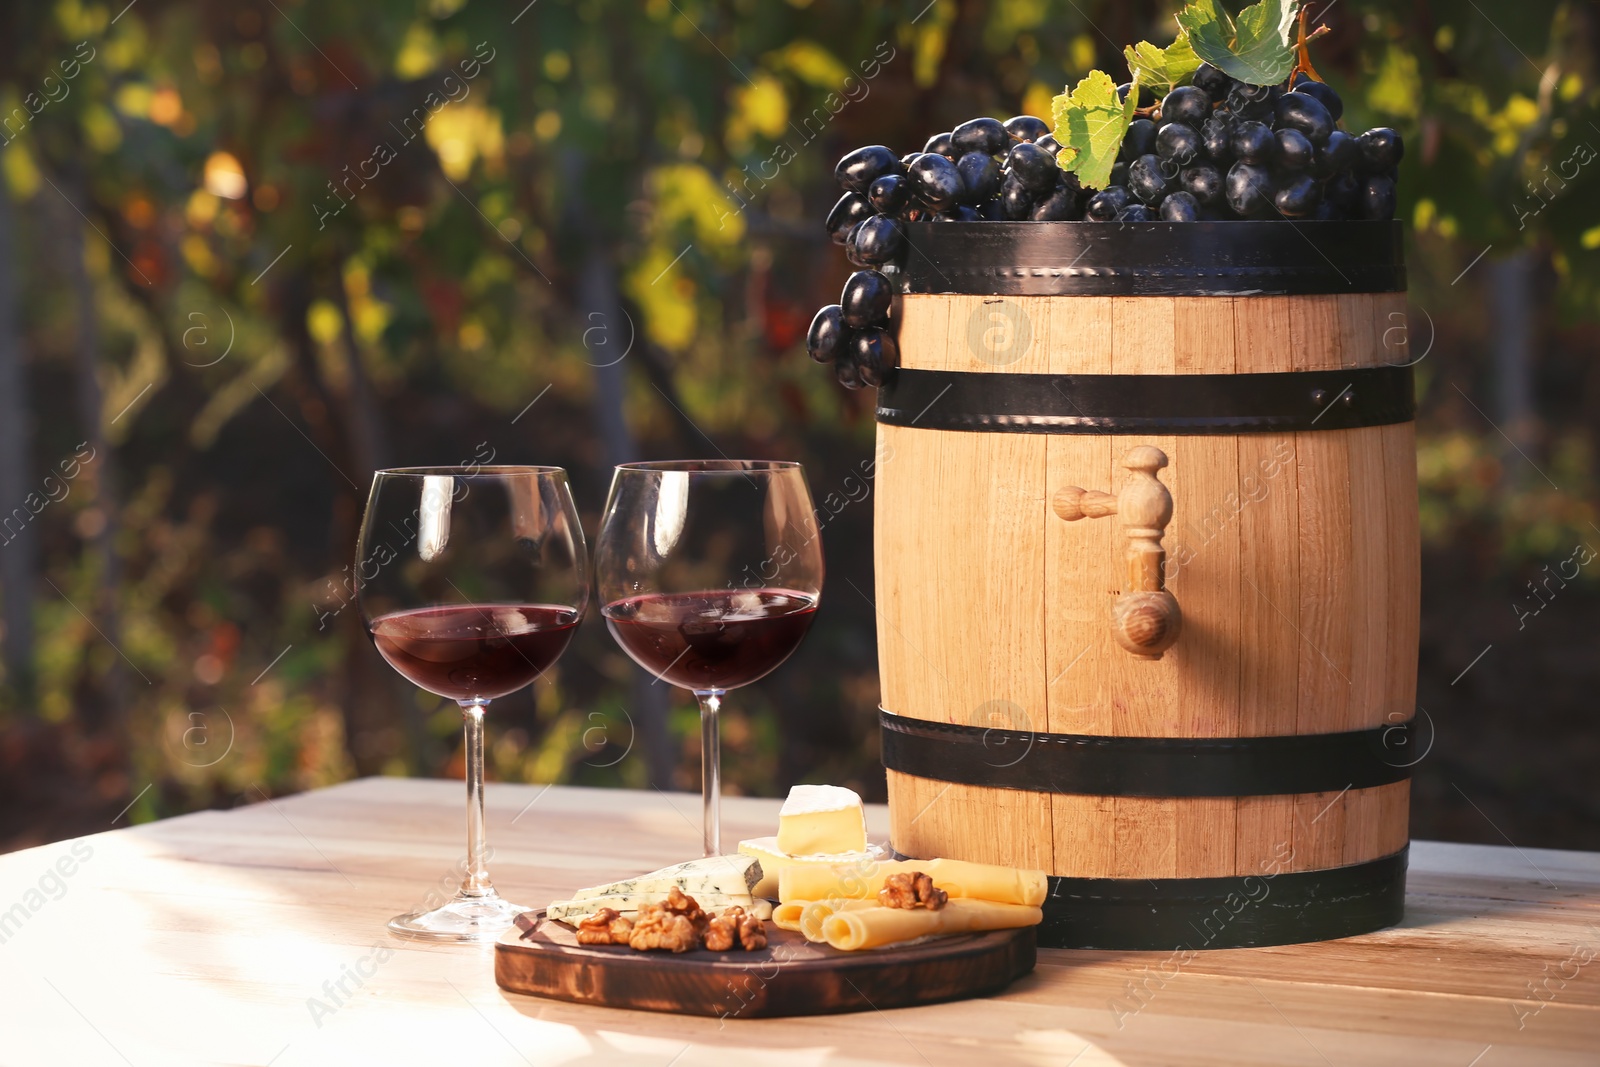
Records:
x=1162, y=69
x=1255, y=48
x=1090, y=123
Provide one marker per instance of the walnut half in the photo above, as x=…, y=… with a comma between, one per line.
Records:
x=752, y=933
x=735, y=928
x=911, y=890
x=721, y=933
x=605, y=927
x=658, y=929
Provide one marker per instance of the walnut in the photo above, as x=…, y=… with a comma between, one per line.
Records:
x=752, y=933
x=605, y=927
x=680, y=903
x=911, y=890
x=658, y=928
x=721, y=933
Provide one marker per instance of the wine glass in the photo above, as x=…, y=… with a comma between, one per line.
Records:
x=709, y=573
x=471, y=581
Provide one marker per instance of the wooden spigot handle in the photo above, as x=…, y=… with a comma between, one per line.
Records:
x=1146, y=618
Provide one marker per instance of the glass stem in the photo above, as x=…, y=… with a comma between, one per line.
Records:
x=476, y=883
x=711, y=768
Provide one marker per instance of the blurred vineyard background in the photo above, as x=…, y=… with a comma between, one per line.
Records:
x=222, y=305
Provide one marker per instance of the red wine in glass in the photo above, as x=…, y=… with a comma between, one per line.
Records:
x=711, y=640
x=467, y=651
x=471, y=582
x=709, y=571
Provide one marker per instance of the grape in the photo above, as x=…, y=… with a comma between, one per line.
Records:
x=935, y=181
x=1381, y=149
x=940, y=144
x=826, y=339
x=1034, y=167
x=862, y=167
x=1049, y=143
x=1252, y=103
x=1213, y=81
x=1298, y=196
x=1026, y=128
x=1217, y=136
x=1294, y=150
x=875, y=355
x=845, y=369
x=1146, y=181
x=1188, y=104
x=865, y=300
x=1140, y=140
x=1203, y=182
x=980, y=177
x=1136, y=213
x=842, y=218
x=908, y=159
x=878, y=240
x=1377, y=197
x=1323, y=92
x=1179, y=207
x=1250, y=189
x=1303, y=112
x=851, y=253
x=1119, y=174
x=1147, y=95
x=980, y=135
x=1104, y=205
x=889, y=194
x=1253, y=143
x=1178, y=142
x=961, y=213
x=1060, y=206
x=1344, y=191
x=991, y=211
x=1338, y=152
x=1016, y=199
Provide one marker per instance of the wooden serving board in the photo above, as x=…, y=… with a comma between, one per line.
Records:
x=791, y=976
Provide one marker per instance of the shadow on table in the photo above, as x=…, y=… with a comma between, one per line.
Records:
x=942, y=1033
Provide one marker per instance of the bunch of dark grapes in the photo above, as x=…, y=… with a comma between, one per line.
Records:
x=982, y=170
x=1221, y=149
x=1214, y=150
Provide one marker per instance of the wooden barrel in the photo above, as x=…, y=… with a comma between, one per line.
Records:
x=1248, y=784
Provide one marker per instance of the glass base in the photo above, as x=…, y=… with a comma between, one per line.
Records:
x=463, y=920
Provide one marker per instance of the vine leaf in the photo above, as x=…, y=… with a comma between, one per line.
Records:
x=1090, y=123
x=1255, y=48
x=1162, y=69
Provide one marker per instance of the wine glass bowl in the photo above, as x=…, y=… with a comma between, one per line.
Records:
x=471, y=582
x=709, y=573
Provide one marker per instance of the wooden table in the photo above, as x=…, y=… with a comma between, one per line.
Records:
x=221, y=937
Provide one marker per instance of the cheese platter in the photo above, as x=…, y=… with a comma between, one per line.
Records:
x=790, y=976
x=813, y=920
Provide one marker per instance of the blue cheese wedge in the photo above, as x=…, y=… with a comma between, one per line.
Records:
x=732, y=876
x=575, y=911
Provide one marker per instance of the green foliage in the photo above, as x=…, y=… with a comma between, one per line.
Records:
x=1162, y=69
x=1090, y=123
x=690, y=145
x=1255, y=47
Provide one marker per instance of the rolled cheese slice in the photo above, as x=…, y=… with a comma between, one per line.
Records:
x=814, y=913
x=853, y=929
x=959, y=878
x=787, y=916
